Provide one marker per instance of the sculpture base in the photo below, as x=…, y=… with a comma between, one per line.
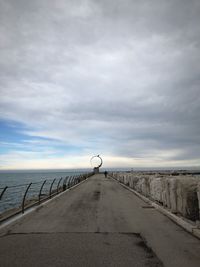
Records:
x=96, y=170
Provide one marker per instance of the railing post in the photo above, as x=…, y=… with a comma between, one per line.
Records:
x=64, y=183
x=40, y=193
x=3, y=191
x=51, y=187
x=78, y=179
x=72, y=182
x=58, y=184
x=24, y=198
x=69, y=181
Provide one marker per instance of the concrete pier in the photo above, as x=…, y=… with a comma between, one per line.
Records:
x=98, y=223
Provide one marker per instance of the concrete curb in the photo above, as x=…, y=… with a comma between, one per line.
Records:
x=32, y=209
x=194, y=230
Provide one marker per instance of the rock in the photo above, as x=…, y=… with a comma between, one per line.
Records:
x=142, y=186
x=173, y=194
x=187, y=199
x=126, y=179
x=166, y=192
x=133, y=179
x=121, y=178
x=198, y=195
x=156, y=189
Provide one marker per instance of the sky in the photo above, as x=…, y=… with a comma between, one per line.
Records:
x=119, y=78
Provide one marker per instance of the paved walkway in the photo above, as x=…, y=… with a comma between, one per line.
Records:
x=98, y=223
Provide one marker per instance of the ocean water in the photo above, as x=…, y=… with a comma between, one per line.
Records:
x=17, y=183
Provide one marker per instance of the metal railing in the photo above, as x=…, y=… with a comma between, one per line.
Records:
x=42, y=191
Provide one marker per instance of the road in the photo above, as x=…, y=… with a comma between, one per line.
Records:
x=98, y=223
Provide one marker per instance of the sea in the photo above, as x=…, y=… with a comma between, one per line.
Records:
x=18, y=181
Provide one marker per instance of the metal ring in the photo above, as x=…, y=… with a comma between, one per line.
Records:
x=96, y=157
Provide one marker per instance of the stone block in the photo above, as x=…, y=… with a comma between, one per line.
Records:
x=126, y=179
x=156, y=189
x=166, y=192
x=198, y=196
x=173, y=194
x=142, y=185
x=187, y=199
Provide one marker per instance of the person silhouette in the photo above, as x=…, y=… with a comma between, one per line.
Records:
x=105, y=173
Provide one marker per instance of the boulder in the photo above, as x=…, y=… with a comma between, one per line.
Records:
x=166, y=192
x=198, y=196
x=126, y=179
x=133, y=179
x=156, y=188
x=142, y=186
x=172, y=194
x=187, y=199
x=121, y=177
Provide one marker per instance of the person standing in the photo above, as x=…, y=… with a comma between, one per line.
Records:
x=106, y=174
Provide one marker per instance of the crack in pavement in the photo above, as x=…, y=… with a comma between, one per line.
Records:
x=54, y=233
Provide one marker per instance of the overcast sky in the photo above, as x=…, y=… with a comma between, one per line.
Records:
x=119, y=78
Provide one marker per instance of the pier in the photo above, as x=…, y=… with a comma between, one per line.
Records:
x=97, y=223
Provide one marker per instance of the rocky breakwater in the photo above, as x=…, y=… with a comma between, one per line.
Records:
x=178, y=192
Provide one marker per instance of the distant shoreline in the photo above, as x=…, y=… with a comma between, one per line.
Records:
x=156, y=169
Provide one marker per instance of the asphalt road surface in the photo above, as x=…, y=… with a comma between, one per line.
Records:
x=98, y=223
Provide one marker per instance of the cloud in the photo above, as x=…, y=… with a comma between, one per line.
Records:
x=118, y=78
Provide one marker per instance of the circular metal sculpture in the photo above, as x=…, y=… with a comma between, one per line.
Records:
x=96, y=161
